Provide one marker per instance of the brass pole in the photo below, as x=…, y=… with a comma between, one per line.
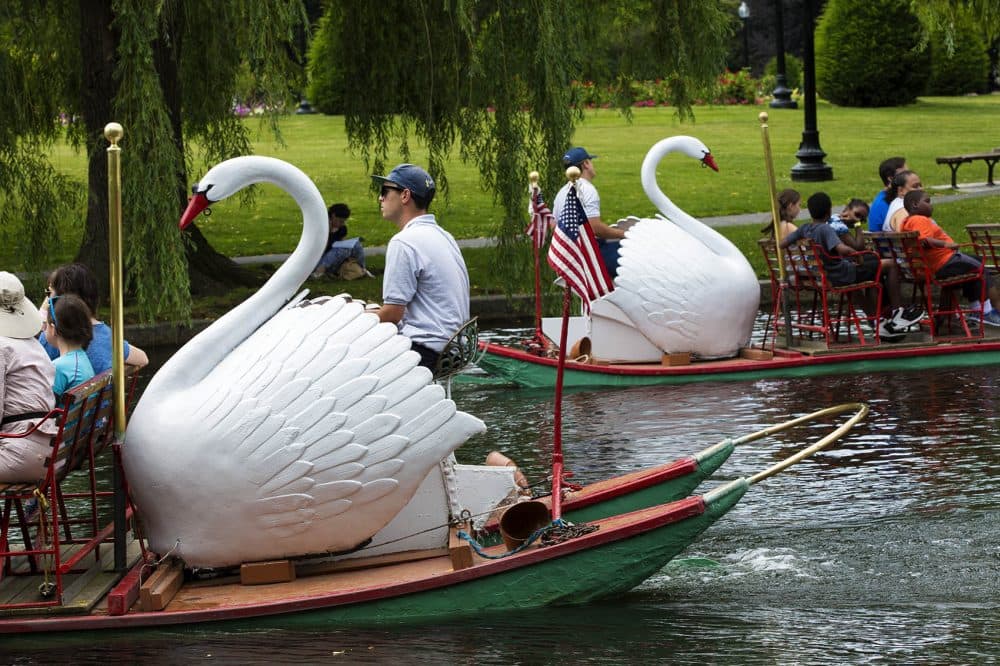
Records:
x=776, y=221
x=113, y=132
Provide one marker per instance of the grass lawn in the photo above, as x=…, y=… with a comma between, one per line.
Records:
x=855, y=140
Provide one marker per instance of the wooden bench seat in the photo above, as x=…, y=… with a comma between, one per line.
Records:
x=986, y=244
x=955, y=161
x=85, y=426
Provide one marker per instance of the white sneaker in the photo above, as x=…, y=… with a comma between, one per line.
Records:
x=992, y=318
x=890, y=332
x=904, y=317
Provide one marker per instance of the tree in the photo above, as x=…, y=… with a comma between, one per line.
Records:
x=495, y=83
x=168, y=71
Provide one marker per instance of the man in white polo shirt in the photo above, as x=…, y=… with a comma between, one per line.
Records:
x=425, y=289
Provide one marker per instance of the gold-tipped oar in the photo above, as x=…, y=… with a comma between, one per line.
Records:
x=840, y=431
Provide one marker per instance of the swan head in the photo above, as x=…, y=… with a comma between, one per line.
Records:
x=225, y=179
x=695, y=149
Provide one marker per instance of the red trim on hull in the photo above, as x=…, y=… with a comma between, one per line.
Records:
x=612, y=529
x=782, y=359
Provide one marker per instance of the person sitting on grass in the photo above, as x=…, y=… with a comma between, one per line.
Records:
x=843, y=269
x=67, y=326
x=339, y=248
x=943, y=257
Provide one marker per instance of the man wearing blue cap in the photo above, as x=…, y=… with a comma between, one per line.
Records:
x=425, y=289
x=607, y=237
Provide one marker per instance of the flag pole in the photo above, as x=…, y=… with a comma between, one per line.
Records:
x=533, y=188
x=113, y=132
x=776, y=221
x=572, y=173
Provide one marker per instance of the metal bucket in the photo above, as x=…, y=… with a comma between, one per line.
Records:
x=521, y=521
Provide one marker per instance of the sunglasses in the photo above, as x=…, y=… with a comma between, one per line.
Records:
x=384, y=192
x=52, y=309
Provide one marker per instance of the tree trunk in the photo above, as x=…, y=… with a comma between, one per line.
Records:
x=209, y=271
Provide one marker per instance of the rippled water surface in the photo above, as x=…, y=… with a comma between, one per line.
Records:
x=884, y=549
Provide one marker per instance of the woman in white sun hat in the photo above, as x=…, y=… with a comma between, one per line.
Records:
x=26, y=376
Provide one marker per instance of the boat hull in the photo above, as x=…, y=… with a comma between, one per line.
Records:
x=624, y=551
x=530, y=371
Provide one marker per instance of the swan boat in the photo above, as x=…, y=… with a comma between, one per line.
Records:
x=683, y=310
x=312, y=480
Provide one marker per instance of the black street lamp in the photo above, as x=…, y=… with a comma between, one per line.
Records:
x=744, y=13
x=811, y=166
x=782, y=95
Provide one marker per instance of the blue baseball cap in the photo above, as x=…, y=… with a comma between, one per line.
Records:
x=576, y=156
x=411, y=177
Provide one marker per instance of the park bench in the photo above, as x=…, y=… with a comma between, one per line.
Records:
x=84, y=421
x=955, y=161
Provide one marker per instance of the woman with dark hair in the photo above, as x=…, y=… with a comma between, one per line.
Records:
x=79, y=280
x=902, y=183
x=789, y=207
x=68, y=327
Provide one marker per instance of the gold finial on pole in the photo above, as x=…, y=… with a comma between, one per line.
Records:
x=113, y=132
x=533, y=180
x=573, y=174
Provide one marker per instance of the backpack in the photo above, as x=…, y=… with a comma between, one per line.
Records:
x=350, y=269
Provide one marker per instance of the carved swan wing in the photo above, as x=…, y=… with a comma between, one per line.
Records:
x=304, y=434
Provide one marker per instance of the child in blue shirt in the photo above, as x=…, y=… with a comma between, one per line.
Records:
x=68, y=326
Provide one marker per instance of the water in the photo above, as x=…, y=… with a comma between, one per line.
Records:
x=884, y=549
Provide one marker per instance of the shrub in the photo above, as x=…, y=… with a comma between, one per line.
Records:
x=793, y=70
x=867, y=53
x=967, y=69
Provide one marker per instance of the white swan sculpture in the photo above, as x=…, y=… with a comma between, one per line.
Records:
x=287, y=427
x=683, y=285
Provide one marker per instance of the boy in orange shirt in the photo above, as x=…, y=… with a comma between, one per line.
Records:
x=943, y=257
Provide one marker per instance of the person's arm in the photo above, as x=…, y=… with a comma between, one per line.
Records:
x=136, y=357
x=937, y=242
x=604, y=231
x=391, y=312
x=853, y=239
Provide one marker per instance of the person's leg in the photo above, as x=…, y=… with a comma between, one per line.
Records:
x=890, y=284
x=428, y=357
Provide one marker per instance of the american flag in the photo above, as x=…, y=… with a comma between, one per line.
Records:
x=541, y=219
x=573, y=253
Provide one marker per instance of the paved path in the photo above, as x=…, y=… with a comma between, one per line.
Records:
x=969, y=191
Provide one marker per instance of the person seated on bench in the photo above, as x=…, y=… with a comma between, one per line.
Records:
x=26, y=378
x=849, y=222
x=902, y=182
x=789, y=207
x=78, y=279
x=943, y=257
x=842, y=270
x=67, y=326
x=880, y=204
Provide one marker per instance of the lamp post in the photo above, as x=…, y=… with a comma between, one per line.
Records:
x=811, y=167
x=782, y=95
x=744, y=13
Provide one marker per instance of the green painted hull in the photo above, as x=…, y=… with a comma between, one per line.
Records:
x=526, y=374
x=594, y=573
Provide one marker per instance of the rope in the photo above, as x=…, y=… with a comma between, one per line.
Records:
x=555, y=532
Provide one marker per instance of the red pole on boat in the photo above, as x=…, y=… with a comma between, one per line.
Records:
x=557, y=454
x=537, y=238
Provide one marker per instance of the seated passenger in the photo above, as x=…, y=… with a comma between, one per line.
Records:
x=26, y=376
x=850, y=222
x=77, y=279
x=68, y=327
x=789, y=207
x=843, y=269
x=943, y=257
